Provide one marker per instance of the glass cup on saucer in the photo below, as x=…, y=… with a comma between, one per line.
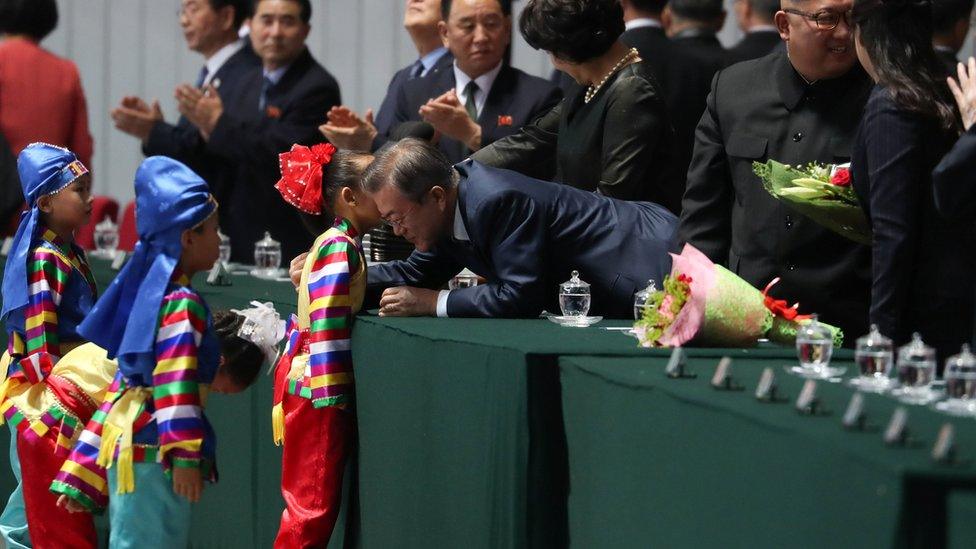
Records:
x=267, y=257
x=874, y=355
x=960, y=384
x=916, y=371
x=814, y=346
x=574, y=302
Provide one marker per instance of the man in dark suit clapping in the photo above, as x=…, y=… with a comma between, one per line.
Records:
x=479, y=99
x=210, y=28
x=755, y=18
x=282, y=105
x=347, y=130
x=797, y=108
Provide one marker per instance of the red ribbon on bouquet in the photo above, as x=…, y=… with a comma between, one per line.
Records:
x=301, y=175
x=779, y=307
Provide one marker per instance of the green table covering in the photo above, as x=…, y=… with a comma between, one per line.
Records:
x=461, y=428
x=655, y=461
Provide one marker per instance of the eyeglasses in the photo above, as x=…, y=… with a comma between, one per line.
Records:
x=399, y=222
x=825, y=19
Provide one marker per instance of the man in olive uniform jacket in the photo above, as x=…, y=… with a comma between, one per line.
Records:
x=796, y=108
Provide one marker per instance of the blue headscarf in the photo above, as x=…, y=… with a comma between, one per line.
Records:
x=44, y=169
x=170, y=198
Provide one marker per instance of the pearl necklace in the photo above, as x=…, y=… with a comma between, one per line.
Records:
x=632, y=55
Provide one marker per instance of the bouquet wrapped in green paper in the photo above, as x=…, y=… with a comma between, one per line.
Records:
x=822, y=193
x=706, y=304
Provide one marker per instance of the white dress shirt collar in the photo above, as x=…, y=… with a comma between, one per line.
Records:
x=484, y=82
x=217, y=60
x=642, y=22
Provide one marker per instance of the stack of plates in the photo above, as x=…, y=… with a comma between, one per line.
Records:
x=386, y=246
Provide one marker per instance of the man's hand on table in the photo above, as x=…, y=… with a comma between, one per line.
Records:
x=408, y=301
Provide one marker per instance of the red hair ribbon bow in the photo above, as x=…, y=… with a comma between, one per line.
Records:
x=779, y=307
x=301, y=175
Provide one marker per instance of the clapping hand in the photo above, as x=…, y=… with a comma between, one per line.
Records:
x=202, y=108
x=965, y=92
x=448, y=116
x=135, y=117
x=346, y=130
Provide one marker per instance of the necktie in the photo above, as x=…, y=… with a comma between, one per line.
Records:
x=265, y=87
x=202, y=76
x=469, y=103
x=417, y=70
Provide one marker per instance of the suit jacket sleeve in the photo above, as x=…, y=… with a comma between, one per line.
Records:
x=246, y=140
x=421, y=270
x=955, y=195
x=896, y=170
x=182, y=142
x=706, y=209
x=632, y=140
x=531, y=151
x=517, y=248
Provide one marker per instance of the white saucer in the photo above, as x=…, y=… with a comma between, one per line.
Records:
x=575, y=321
x=829, y=373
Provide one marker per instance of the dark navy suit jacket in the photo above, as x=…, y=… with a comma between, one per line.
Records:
x=526, y=236
x=514, y=100
x=252, y=140
x=183, y=141
x=385, y=120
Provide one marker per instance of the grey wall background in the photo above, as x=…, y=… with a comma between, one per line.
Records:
x=135, y=47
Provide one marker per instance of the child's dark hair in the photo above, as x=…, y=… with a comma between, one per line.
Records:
x=242, y=359
x=345, y=170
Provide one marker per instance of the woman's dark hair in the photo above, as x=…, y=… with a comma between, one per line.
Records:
x=897, y=36
x=572, y=30
x=345, y=170
x=242, y=359
x=34, y=18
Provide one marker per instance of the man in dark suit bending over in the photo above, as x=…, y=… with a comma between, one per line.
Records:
x=797, y=108
x=524, y=235
x=283, y=104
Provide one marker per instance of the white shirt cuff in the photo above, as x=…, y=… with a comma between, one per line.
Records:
x=442, y=303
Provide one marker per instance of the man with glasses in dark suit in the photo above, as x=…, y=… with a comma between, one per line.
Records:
x=798, y=105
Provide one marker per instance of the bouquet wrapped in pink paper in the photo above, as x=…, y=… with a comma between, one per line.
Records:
x=706, y=304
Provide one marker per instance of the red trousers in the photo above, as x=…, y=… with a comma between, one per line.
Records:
x=48, y=524
x=316, y=445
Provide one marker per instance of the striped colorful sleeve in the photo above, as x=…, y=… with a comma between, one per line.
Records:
x=47, y=276
x=80, y=477
x=176, y=393
x=330, y=311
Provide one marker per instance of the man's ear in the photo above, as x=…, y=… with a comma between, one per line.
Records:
x=439, y=195
x=782, y=22
x=442, y=29
x=667, y=19
x=227, y=14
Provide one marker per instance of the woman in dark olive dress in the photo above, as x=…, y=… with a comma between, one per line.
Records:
x=612, y=135
x=923, y=265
